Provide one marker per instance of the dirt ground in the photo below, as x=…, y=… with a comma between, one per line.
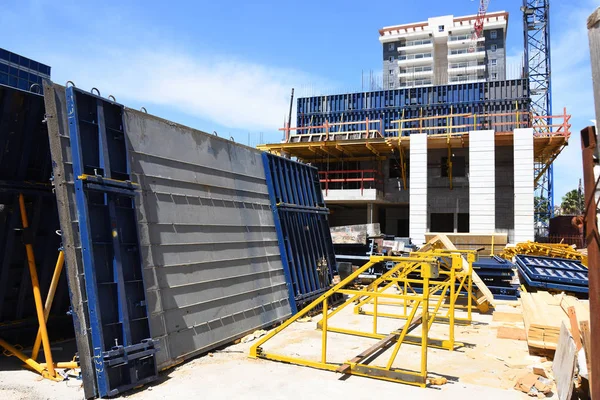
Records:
x=485, y=366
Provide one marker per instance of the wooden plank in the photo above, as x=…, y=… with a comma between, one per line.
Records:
x=500, y=316
x=510, y=332
x=383, y=344
x=474, y=241
x=574, y=328
x=563, y=366
x=465, y=266
x=584, y=327
x=582, y=307
x=542, y=321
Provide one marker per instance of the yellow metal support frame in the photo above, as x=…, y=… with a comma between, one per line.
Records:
x=48, y=368
x=428, y=267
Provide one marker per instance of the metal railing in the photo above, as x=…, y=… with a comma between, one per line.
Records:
x=351, y=179
x=466, y=64
x=547, y=126
x=465, y=51
x=415, y=42
x=424, y=68
x=418, y=82
x=500, y=122
x=465, y=78
x=414, y=56
x=453, y=38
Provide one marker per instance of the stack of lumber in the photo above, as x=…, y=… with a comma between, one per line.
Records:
x=491, y=243
x=543, y=315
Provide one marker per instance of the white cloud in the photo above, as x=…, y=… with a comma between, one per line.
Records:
x=233, y=93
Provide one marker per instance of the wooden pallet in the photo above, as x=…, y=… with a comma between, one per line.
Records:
x=543, y=315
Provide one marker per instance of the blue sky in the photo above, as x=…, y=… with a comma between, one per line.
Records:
x=229, y=66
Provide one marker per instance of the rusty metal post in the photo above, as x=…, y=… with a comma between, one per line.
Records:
x=588, y=147
x=593, y=25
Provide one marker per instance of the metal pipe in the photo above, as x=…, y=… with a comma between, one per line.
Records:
x=29, y=362
x=324, y=333
x=589, y=146
x=49, y=299
x=36, y=292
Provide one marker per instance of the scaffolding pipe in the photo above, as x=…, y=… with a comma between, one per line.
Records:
x=36, y=295
x=49, y=299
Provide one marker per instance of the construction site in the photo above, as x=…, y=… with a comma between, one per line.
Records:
x=401, y=238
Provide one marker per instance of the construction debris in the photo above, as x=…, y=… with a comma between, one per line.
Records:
x=354, y=233
x=254, y=335
x=533, y=385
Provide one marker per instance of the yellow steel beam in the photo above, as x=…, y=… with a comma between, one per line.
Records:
x=42, y=370
x=344, y=151
x=373, y=150
x=37, y=296
x=49, y=299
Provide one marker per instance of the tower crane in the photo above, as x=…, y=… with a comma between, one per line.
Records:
x=477, y=31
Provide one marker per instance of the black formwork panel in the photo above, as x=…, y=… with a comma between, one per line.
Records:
x=25, y=168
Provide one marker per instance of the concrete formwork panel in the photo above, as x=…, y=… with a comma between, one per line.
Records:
x=212, y=267
x=482, y=182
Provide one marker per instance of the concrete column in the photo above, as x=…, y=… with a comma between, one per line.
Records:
x=418, y=188
x=482, y=182
x=372, y=213
x=524, y=190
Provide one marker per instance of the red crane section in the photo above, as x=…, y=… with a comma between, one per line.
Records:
x=478, y=25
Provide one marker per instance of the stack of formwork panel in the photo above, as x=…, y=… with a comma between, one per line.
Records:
x=495, y=97
x=497, y=273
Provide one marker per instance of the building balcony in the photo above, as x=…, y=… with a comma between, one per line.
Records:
x=466, y=79
x=414, y=59
x=416, y=72
x=462, y=41
x=417, y=46
x=347, y=186
x=415, y=83
x=466, y=68
x=456, y=55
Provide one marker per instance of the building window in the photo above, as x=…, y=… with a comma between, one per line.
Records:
x=494, y=48
x=463, y=222
x=391, y=46
x=391, y=85
x=493, y=62
x=391, y=72
x=493, y=34
x=458, y=167
x=392, y=59
x=494, y=75
x=441, y=28
x=441, y=222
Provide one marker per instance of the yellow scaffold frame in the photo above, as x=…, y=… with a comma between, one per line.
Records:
x=446, y=290
x=428, y=267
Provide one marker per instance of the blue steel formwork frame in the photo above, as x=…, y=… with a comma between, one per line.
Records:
x=495, y=97
x=123, y=350
x=302, y=228
x=553, y=273
x=536, y=31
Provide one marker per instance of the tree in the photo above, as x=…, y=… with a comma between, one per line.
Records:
x=541, y=206
x=572, y=202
